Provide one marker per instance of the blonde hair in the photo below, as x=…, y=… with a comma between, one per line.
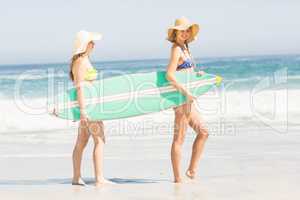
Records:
x=174, y=34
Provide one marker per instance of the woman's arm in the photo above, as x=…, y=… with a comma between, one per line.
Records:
x=79, y=72
x=171, y=69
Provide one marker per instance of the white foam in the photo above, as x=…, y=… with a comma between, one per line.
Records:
x=17, y=117
x=31, y=76
x=227, y=105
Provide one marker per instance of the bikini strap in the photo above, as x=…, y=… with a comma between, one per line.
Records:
x=184, y=54
x=191, y=57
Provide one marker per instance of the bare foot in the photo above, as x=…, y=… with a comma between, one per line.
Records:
x=178, y=180
x=103, y=182
x=191, y=174
x=79, y=182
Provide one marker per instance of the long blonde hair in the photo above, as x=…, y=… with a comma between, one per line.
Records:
x=73, y=60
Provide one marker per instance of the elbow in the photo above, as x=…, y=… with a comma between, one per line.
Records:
x=79, y=90
x=79, y=85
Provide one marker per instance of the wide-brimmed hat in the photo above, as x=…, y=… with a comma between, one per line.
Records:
x=82, y=39
x=183, y=24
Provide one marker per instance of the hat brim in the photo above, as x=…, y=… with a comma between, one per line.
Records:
x=93, y=36
x=195, y=31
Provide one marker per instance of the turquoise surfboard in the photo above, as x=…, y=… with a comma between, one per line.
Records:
x=131, y=95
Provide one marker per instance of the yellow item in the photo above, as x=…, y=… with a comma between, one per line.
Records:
x=91, y=74
x=218, y=80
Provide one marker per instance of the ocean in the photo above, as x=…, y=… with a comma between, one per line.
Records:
x=253, y=87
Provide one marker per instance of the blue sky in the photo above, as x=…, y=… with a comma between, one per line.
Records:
x=35, y=31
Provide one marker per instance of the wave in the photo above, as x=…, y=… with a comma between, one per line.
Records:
x=271, y=105
x=31, y=76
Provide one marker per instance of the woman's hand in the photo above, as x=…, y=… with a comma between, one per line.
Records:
x=190, y=98
x=83, y=118
x=201, y=73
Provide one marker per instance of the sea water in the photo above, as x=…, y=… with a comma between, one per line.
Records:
x=260, y=87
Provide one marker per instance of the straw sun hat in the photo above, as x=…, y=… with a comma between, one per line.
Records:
x=82, y=39
x=183, y=24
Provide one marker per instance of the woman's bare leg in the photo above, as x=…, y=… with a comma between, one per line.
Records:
x=197, y=124
x=178, y=139
x=82, y=140
x=97, y=131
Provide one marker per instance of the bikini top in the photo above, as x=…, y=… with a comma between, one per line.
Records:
x=187, y=63
x=90, y=74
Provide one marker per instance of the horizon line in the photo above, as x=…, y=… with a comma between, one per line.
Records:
x=148, y=59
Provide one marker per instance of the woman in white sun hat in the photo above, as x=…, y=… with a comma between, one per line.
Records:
x=186, y=115
x=82, y=72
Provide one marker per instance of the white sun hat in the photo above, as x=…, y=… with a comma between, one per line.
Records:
x=82, y=39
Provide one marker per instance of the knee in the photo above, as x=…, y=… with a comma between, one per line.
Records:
x=203, y=133
x=178, y=140
x=78, y=148
x=99, y=125
x=96, y=128
x=98, y=144
x=80, y=145
x=201, y=130
x=99, y=140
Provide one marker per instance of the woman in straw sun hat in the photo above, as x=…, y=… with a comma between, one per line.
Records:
x=82, y=72
x=186, y=115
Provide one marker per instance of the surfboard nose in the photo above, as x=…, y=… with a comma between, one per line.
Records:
x=218, y=80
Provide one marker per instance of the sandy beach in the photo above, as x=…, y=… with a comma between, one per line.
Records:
x=255, y=162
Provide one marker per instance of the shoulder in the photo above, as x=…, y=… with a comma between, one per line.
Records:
x=79, y=60
x=79, y=67
x=175, y=49
x=78, y=64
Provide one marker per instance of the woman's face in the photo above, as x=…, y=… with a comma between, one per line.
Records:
x=183, y=35
x=90, y=46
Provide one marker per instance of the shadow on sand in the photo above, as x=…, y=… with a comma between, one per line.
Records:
x=67, y=181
